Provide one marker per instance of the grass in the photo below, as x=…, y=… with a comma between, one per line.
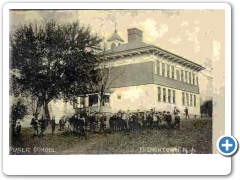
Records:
x=193, y=135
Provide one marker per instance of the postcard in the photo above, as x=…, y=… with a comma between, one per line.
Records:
x=141, y=87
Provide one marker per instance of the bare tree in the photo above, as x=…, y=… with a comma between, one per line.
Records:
x=107, y=75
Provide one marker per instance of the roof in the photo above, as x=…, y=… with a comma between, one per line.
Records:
x=126, y=47
x=115, y=36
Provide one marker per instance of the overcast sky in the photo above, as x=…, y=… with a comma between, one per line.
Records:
x=197, y=35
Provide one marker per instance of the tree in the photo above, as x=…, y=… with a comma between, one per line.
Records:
x=51, y=60
x=33, y=105
x=207, y=108
x=107, y=74
x=31, y=102
x=18, y=110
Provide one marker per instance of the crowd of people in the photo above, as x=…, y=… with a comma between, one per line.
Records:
x=83, y=122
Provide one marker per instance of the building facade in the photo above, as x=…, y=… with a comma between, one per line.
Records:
x=149, y=78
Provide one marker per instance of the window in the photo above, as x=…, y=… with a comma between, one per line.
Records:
x=163, y=69
x=183, y=98
x=159, y=94
x=168, y=71
x=196, y=80
x=174, y=95
x=106, y=98
x=172, y=72
x=158, y=68
x=182, y=75
x=195, y=100
x=178, y=74
x=93, y=100
x=193, y=79
x=119, y=96
x=164, y=95
x=190, y=77
x=169, y=95
x=186, y=78
x=187, y=99
x=191, y=99
x=81, y=102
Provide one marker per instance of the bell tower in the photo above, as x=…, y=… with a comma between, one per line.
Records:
x=115, y=40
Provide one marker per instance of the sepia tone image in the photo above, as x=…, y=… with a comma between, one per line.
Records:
x=116, y=81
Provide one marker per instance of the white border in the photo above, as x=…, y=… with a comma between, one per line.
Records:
x=110, y=164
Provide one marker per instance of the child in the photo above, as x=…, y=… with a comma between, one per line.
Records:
x=18, y=128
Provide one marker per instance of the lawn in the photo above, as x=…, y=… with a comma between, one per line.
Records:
x=193, y=137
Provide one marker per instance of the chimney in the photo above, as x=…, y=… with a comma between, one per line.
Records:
x=134, y=35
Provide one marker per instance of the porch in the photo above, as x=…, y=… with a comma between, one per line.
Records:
x=91, y=103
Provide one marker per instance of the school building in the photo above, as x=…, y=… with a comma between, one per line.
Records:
x=150, y=78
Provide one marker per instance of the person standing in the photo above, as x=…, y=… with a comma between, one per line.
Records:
x=67, y=125
x=82, y=127
x=186, y=113
x=111, y=123
x=124, y=121
x=92, y=122
x=155, y=120
x=34, y=123
x=61, y=124
x=18, y=129
x=102, y=124
x=53, y=124
x=42, y=126
x=169, y=119
x=177, y=122
x=144, y=119
x=175, y=111
x=94, y=119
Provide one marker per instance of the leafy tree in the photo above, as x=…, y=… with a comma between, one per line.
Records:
x=18, y=110
x=207, y=108
x=52, y=60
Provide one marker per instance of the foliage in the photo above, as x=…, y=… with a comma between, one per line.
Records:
x=18, y=110
x=52, y=60
x=207, y=108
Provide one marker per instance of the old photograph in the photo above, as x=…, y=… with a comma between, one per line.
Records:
x=116, y=81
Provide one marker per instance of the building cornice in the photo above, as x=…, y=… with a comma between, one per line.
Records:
x=157, y=52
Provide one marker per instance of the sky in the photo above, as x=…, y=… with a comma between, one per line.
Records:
x=198, y=35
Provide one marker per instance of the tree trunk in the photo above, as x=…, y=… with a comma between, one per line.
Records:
x=101, y=99
x=36, y=111
x=46, y=110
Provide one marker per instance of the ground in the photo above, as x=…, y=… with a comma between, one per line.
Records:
x=194, y=136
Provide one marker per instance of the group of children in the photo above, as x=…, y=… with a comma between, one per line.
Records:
x=136, y=121
x=120, y=121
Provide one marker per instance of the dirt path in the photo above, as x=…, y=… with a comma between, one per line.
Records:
x=84, y=146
